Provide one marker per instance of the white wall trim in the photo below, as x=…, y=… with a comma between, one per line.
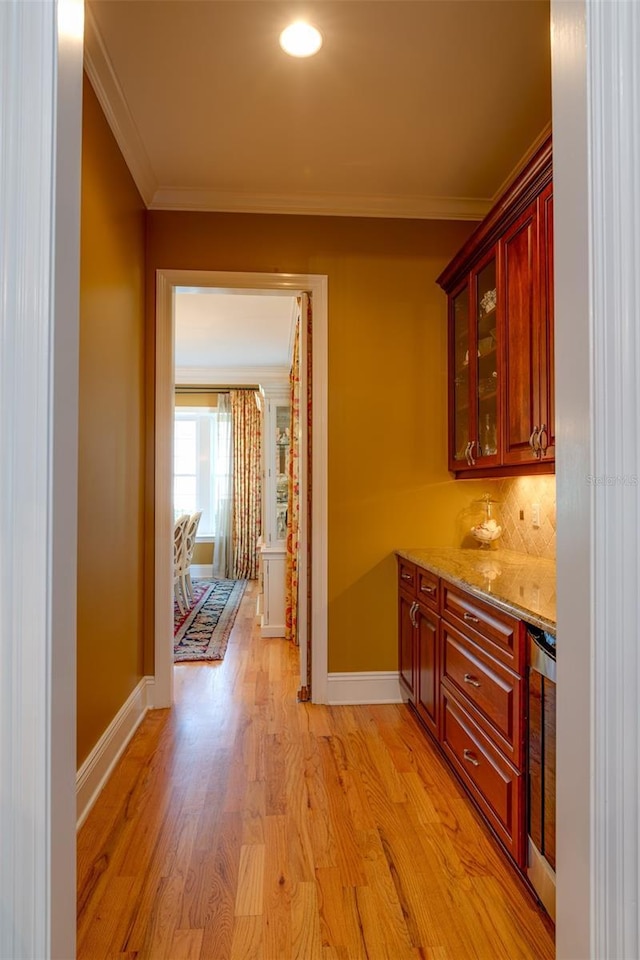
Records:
x=40, y=143
x=613, y=87
x=229, y=376
x=596, y=80
x=573, y=353
x=373, y=687
x=166, y=282
x=114, y=105
x=99, y=765
x=337, y=205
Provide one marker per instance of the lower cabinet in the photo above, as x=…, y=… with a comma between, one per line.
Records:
x=419, y=642
x=493, y=783
x=407, y=642
x=271, y=601
x=460, y=660
x=427, y=664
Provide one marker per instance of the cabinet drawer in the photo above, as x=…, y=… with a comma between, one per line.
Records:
x=428, y=588
x=406, y=575
x=494, y=691
x=496, y=787
x=492, y=629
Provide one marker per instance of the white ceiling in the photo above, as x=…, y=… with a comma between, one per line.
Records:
x=225, y=338
x=413, y=108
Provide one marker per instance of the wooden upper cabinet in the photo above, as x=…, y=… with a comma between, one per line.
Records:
x=547, y=382
x=500, y=289
x=521, y=315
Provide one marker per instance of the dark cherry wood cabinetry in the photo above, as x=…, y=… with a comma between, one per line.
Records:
x=462, y=662
x=419, y=641
x=500, y=290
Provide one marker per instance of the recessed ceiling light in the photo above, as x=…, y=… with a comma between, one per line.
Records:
x=300, y=39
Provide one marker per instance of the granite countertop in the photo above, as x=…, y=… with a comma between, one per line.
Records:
x=516, y=582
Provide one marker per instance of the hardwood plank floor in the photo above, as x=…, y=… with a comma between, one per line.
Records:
x=243, y=825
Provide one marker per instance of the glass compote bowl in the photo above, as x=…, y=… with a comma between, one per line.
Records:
x=488, y=529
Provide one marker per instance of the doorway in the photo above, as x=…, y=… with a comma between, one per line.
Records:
x=313, y=657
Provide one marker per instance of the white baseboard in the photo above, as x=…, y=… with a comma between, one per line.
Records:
x=277, y=631
x=202, y=570
x=97, y=768
x=355, y=688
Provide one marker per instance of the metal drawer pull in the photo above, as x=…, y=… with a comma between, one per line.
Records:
x=414, y=607
x=543, y=443
x=534, y=440
x=406, y=576
x=469, y=617
x=425, y=589
x=471, y=757
x=469, y=678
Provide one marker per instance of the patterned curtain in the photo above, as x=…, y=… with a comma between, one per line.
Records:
x=223, y=490
x=293, y=504
x=247, y=484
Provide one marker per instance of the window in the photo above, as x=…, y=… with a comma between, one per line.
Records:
x=197, y=461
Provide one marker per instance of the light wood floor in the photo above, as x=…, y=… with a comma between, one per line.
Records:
x=244, y=825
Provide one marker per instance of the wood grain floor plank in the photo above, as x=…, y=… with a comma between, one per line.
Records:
x=102, y=936
x=247, y=939
x=186, y=945
x=305, y=923
x=242, y=825
x=250, y=891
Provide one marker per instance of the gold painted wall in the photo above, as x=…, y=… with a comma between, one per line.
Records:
x=388, y=482
x=111, y=432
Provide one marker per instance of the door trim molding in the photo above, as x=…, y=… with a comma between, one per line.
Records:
x=40, y=133
x=596, y=76
x=166, y=281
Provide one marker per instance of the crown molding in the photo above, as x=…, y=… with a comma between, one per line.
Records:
x=230, y=376
x=542, y=137
x=104, y=81
x=330, y=205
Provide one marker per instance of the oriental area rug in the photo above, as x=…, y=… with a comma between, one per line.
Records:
x=203, y=631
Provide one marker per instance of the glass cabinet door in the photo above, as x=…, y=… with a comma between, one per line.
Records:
x=485, y=381
x=282, y=441
x=461, y=366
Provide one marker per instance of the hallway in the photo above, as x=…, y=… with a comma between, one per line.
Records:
x=244, y=825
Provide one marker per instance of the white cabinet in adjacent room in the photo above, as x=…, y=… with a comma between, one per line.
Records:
x=276, y=421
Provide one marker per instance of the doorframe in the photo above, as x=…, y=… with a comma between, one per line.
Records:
x=317, y=286
x=41, y=48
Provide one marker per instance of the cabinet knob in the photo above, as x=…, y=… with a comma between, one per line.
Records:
x=470, y=757
x=406, y=576
x=472, y=462
x=466, y=453
x=469, y=617
x=425, y=589
x=473, y=681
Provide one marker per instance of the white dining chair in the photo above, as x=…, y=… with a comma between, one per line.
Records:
x=190, y=542
x=179, y=549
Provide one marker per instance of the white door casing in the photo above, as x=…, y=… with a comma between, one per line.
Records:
x=40, y=138
x=166, y=282
x=596, y=124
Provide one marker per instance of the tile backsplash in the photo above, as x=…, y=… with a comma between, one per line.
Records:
x=516, y=498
